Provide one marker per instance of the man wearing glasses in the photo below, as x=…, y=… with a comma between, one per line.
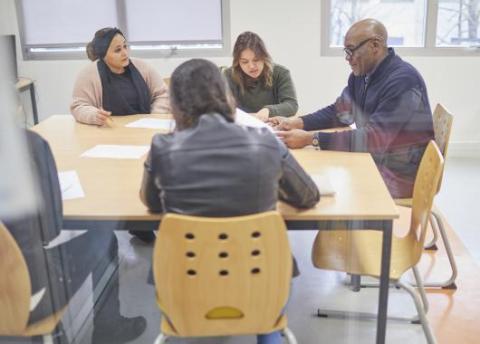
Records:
x=386, y=103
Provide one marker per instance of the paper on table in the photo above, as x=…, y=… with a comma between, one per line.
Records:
x=70, y=185
x=243, y=118
x=323, y=184
x=153, y=123
x=116, y=152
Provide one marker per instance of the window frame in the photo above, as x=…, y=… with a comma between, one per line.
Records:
x=429, y=49
x=144, y=49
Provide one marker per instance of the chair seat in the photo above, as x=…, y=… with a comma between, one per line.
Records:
x=167, y=329
x=359, y=252
x=407, y=202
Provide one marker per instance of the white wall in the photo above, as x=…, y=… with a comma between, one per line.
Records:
x=291, y=30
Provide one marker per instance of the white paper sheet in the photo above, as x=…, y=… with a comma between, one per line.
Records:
x=64, y=236
x=70, y=185
x=323, y=184
x=116, y=152
x=153, y=123
x=243, y=118
x=36, y=298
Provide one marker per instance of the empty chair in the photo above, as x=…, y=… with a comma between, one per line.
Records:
x=222, y=276
x=359, y=251
x=442, y=126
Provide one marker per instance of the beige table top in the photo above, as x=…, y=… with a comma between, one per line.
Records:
x=111, y=186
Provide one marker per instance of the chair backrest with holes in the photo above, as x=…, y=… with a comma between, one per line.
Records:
x=222, y=276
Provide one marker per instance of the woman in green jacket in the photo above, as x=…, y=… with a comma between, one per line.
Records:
x=260, y=86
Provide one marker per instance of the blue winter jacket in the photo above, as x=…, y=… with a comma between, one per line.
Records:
x=392, y=117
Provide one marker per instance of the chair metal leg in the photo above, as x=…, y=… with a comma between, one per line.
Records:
x=421, y=313
x=450, y=282
x=421, y=289
x=432, y=244
x=325, y=313
x=329, y=313
x=356, y=282
x=439, y=227
x=289, y=336
x=161, y=339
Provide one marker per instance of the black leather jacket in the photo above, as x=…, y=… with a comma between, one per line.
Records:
x=218, y=168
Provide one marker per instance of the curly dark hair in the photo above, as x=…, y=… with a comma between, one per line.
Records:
x=197, y=88
x=252, y=41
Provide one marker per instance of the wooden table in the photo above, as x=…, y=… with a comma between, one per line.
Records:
x=112, y=186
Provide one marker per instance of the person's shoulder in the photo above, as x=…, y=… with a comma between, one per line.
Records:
x=34, y=139
x=263, y=135
x=39, y=150
x=280, y=70
x=140, y=63
x=217, y=124
x=269, y=140
x=162, y=139
x=89, y=69
x=280, y=73
x=162, y=143
x=226, y=71
x=404, y=72
x=398, y=66
x=228, y=74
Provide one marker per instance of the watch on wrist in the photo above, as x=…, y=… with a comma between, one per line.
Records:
x=315, y=142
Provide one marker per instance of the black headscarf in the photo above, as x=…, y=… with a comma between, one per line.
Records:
x=101, y=44
x=113, y=99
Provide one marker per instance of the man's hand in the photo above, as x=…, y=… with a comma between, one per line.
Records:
x=296, y=138
x=283, y=123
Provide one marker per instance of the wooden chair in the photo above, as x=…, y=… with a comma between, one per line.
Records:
x=359, y=251
x=15, y=294
x=442, y=126
x=222, y=276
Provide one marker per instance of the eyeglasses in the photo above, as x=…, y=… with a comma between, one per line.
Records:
x=349, y=51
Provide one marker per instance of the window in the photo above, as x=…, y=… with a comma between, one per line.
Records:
x=62, y=28
x=443, y=27
x=458, y=23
